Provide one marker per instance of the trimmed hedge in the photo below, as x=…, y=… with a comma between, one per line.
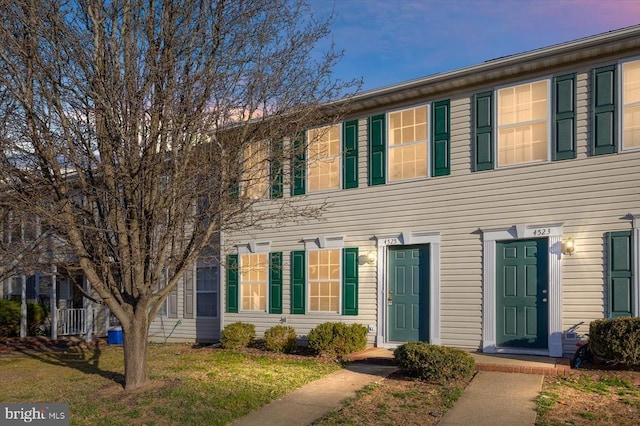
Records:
x=237, y=335
x=616, y=340
x=434, y=363
x=337, y=338
x=280, y=338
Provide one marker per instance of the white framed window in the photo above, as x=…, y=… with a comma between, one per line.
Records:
x=408, y=131
x=254, y=281
x=630, y=92
x=255, y=171
x=324, y=154
x=523, y=120
x=207, y=291
x=324, y=280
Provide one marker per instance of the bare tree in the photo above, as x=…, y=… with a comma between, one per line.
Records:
x=131, y=124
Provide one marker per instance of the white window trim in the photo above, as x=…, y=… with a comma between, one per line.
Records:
x=407, y=237
x=308, y=283
x=523, y=231
x=635, y=220
x=323, y=242
x=620, y=105
x=252, y=247
x=388, y=145
x=549, y=80
x=340, y=157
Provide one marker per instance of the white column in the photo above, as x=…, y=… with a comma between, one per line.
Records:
x=555, y=296
x=88, y=309
x=54, y=304
x=23, y=306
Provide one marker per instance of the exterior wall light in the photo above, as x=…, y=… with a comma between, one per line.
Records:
x=371, y=258
x=569, y=246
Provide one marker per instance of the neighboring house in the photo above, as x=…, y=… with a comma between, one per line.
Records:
x=495, y=207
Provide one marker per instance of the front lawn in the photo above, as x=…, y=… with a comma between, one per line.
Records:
x=189, y=385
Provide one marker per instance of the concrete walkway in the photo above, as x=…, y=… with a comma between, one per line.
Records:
x=502, y=392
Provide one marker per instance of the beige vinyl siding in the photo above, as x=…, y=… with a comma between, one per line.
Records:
x=590, y=195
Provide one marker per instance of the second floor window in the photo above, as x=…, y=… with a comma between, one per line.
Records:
x=631, y=104
x=324, y=158
x=523, y=123
x=408, y=143
x=255, y=173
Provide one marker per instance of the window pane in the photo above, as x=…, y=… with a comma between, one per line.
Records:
x=631, y=134
x=523, y=123
x=207, y=305
x=408, y=143
x=255, y=174
x=324, y=158
x=254, y=270
x=631, y=104
x=324, y=280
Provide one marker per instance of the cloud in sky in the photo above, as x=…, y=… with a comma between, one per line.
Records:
x=391, y=41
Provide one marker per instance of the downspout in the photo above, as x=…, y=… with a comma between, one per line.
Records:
x=54, y=304
x=23, y=306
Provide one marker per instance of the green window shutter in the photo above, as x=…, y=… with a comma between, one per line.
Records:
x=483, y=131
x=232, y=283
x=620, y=268
x=350, y=154
x=350, y=281
x=377, y=150
x=603, y=111
x=298, y=282
x=275, y=169
x=275, y=283
x=299, y=166
x=188, y=293
x=440, y=140
x=564, y=115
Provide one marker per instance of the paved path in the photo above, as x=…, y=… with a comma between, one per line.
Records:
x=499, y=394
x=495, y=398
x=312, y=401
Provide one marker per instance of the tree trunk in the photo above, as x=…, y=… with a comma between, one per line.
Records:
x=135, y=352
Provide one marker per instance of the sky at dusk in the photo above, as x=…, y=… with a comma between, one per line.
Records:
x=392, y=41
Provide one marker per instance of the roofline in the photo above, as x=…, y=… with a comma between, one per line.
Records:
x=502, y=62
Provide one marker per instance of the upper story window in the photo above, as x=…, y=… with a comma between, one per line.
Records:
x=631, y=104
x=323, y=163
x=523, y=123
x=254, y=281
x=255, y=173
x=408, y=143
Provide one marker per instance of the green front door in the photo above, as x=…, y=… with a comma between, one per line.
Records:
x=522, y=314
x=408, y=300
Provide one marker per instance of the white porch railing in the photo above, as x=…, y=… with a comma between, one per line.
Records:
x=74, y=322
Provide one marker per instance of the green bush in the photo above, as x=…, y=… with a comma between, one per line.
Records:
x=9, y=318
x=434, y=363
x=36, y=316
x=616, y=340
x=337, y=338
x=280, y=338
x=237, y=335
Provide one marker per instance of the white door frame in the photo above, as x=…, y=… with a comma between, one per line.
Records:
x=406, y=238
x=553, y=232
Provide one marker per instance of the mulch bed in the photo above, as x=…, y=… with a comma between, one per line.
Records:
x=43, y=344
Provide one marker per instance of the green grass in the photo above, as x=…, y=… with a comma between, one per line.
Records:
x=189, y=386
x=545, y=401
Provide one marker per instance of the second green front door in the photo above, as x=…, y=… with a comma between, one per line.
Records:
x=522, y=315
x=408, y=301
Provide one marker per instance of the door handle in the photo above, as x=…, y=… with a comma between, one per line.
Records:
x=544, y=300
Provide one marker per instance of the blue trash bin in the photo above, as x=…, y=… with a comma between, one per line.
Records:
x=115, y=336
